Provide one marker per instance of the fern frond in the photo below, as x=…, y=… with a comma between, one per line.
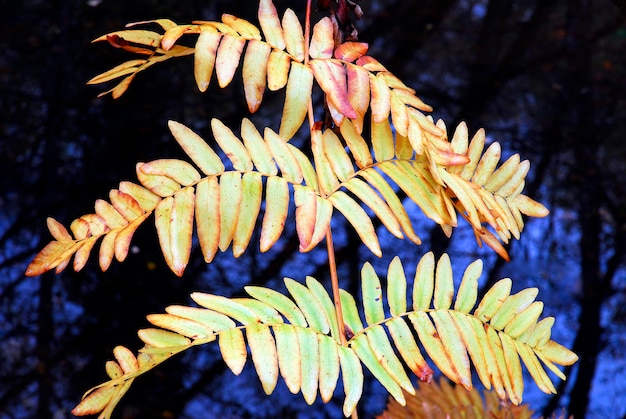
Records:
x=441, y=177
x=297, y=338
x=223, y=202
x=352, y=81
x=485, y=193
x=441, y=400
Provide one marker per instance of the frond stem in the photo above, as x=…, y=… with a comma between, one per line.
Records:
x=307, y=32
x=332, y=264
x=334, y=279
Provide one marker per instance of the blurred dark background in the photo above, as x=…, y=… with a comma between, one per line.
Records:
x=547, y=79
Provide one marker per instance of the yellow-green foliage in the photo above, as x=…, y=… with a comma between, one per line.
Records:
x=445, y=401
x=218, y=192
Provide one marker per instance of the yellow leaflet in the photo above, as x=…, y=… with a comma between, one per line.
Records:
x=276, y=209
x=123, y=238
x=232, y=146
x=387, y=359
x=143, y=37
x=208, y=216
x=322, y=42
x=399, y=117
x=382, y=140
x=186, y=327
x=126, y=359
x=359, y=219
x=196, y=148
x=252, y=189
x=444, y=286
x=358, y=93
x=361, y=346
x=372, y=200
x=462, y=191
x=211, y=319
x=277, y=69
x=160, y=338
x=512, y=306
x=396, y=287
x=96, y=401
x=493, y=299
x=58, y=231
x=331, y=76
x=530, y=207
x=204, y=58
x=178, y=170
x=309, y=305
x=105, y=210
x=372, y=295
x=475, y=340
x=254, y=73
x=120, y=70
x=406, y=345
x=380, y=99
x=328, y=180
x=226, y=306
x=309, y=363
x=329, y=366
x=513, y=183
x=162, y=215
x=263, y=351
x=280, y=302
x=158, y=184
x=374, y=179
x=455, y=349
x=233, y=348
x=294, y=37
x=322, y=297
x=534, y=368
x=230, y=203
x=270, y=24
x=125, y=205
x=337, y=156
x=423, y=284
x=306, y=210
x=181, y=219
x=107, y=250
x=429, y=338
x=503, y=174
x=297, y=99
x=82, y=253
x=350, y=51
x=227, y=60
x=283, y=156
x=352, y=376
x=496, y=346
x=357, y=145
x=288, y=353
x=260, y=152
x=350, y=313
x=524, y=320
x=468, y=290
x=539, y=334
x=242, y=26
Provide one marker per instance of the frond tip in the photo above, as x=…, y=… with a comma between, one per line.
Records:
x=297, y=338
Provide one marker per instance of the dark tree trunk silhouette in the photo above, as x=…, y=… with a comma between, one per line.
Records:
x=581, y=133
